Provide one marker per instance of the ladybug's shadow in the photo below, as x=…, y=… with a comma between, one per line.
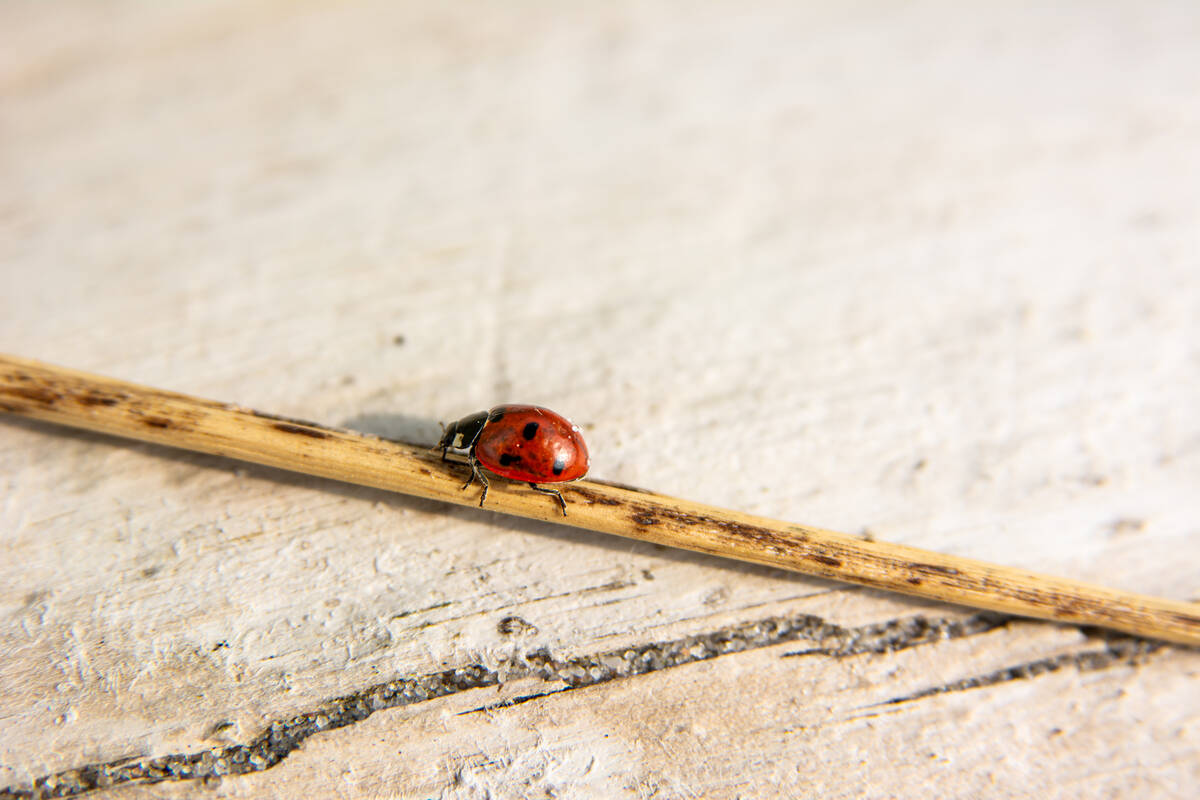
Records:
x=404, y=428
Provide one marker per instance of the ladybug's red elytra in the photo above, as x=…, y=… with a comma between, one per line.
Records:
x=521, y=443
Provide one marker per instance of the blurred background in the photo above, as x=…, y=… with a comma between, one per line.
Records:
x=925, y=271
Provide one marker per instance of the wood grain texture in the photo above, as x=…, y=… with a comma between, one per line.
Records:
x=926, y=273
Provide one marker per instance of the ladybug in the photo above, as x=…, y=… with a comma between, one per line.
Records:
x=521, y=443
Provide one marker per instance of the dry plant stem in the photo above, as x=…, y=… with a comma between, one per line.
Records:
x=100, y=404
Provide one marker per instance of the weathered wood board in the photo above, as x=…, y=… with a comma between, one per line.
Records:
x=927, y=272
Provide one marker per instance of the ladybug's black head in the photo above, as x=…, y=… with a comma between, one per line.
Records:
x=462, y=434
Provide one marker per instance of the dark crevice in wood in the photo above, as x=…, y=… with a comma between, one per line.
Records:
x=285, y=736
x=901, y=634
x=1118, y=651
x=514, y=701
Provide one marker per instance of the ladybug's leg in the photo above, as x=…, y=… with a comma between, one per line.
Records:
x=554, y=492
x=476, y=472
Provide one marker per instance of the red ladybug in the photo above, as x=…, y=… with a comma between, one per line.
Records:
x=521, y=443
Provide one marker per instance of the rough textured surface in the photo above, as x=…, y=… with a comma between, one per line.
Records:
x=926, y=272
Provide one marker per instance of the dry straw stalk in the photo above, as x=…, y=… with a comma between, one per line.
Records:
x=101, y=404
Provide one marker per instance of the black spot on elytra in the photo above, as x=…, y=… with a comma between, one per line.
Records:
x=529, y=431
x=508, y=459
x=560, y=463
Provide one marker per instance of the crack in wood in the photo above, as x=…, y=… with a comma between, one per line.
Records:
x=611, y=586
x=513, y=701
x=281, y=738
x=901, y=634
x=1122, y=651
x=434, y=607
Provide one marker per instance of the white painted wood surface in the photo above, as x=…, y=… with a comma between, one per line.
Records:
x=928, y=272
